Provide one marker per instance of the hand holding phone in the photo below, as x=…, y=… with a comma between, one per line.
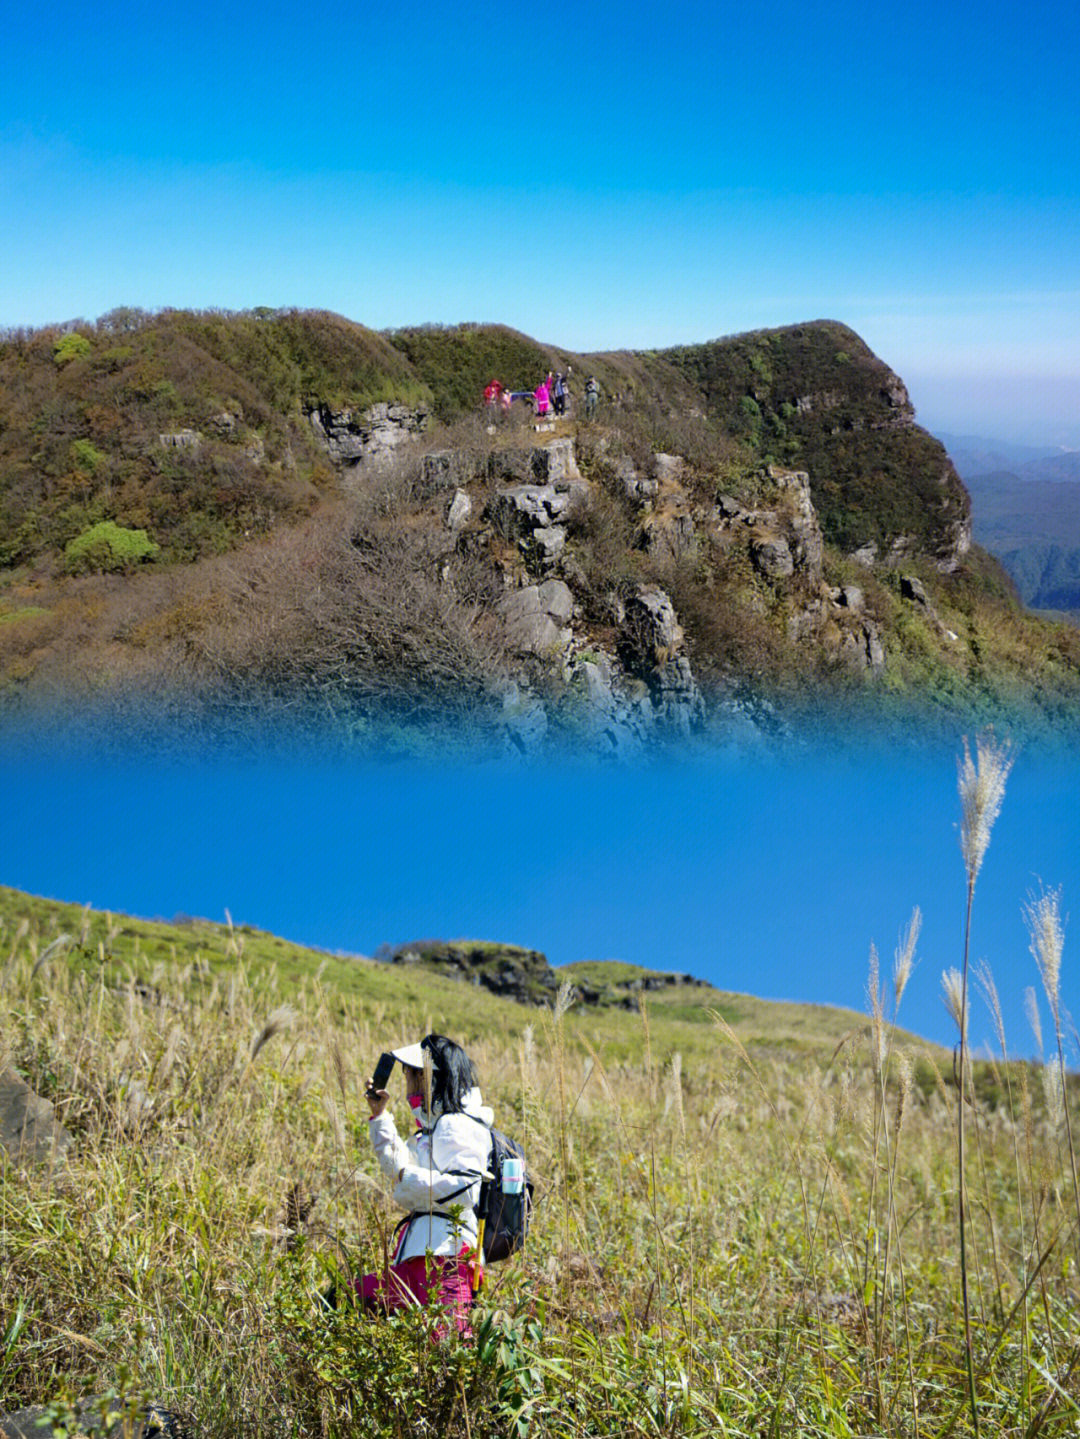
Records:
x=376, y=1087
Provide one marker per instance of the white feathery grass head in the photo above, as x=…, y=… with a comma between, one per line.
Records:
x=564, y=999
x=904, y=958
x=904, y=1078
x=1053, y=1081
x=952, y=983
x=1043, y=916
x=1031, y=1009
x=981, y=784
x=873, y=981
x=281, y=1018
x=60, y=943
x=337, y=1125
x=676, y=1089
x=985, y=980
x=876, y=998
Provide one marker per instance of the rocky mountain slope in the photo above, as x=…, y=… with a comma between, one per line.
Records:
x=277, y=515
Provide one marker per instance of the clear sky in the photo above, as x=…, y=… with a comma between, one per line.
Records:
x=765, y=877
x=597, y=176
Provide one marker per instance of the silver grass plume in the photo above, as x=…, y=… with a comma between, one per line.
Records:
x=1053, y=1075
x=904, y=957
x=61, y=942
x=1043, y=916
x=904, y=1078
x=877, y=1011
x=952, y=983
x=281, y=1018
x=564, y=999
x=1031, y=1009
x=981, y=784
x=985, y=980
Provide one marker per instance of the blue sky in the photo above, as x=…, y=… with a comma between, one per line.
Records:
x=601, y=177
x=768, y=877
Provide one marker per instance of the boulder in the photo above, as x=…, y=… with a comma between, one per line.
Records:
x=519, y=509
x=772, y=557
x=544, y=546
x=668, y=534
x=445, y=470
x=651, y=633
x=181, y=440
x=848, y=597
x=634, y=485
x=557, y=600
x=28, y=1130
x=524, y=719
x=668, y=468
x=862, y=648
x=458, y=510
x=536, y=617
x=549, y=464
x=912, y=588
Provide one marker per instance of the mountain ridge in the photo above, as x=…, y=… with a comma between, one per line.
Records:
x=281, y=512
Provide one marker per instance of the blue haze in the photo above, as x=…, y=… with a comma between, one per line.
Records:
x=764, y=876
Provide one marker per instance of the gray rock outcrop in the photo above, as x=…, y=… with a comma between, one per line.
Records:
x=458, y=510
x=371, y=437
x=549, y=464
x=651, y=647
x=29, y=1130
x=537, y=618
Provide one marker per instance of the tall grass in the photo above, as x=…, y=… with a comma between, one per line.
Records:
x=745, y=1237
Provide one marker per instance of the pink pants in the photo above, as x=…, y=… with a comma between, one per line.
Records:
x=426, y=1279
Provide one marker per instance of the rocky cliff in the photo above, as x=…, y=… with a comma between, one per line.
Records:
x=287, y=515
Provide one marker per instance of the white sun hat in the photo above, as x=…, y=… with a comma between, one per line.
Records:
x=410, y=1054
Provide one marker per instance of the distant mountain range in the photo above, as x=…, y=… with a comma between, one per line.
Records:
x=1026, y=511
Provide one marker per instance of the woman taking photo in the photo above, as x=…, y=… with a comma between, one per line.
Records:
x=436, y=1177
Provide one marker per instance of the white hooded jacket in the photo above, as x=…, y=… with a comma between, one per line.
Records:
x=431, y=1173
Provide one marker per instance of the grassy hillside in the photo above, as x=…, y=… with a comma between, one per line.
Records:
x=742, y=1227
x=82, y=413
x=815, y=397
x=182, y=547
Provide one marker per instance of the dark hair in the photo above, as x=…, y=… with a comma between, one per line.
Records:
x=452, y=1073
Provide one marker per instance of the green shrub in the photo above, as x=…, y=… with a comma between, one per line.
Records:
x=108, y=547
x=71, y=347
x=85, y=456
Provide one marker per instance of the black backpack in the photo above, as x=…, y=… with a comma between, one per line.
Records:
x=505, y=1216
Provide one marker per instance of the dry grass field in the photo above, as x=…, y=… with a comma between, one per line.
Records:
x=746, y=1219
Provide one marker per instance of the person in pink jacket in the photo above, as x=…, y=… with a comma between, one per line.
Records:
x=436, y=1176
x=542, y=396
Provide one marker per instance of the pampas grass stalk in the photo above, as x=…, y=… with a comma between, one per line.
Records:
x=981, y=784
x=1043, y=915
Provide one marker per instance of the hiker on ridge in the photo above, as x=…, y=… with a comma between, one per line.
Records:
x=438, y=1169
x=542, y=396
x=560, y=393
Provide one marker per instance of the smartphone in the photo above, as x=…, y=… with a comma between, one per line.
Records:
x=383, y=1071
